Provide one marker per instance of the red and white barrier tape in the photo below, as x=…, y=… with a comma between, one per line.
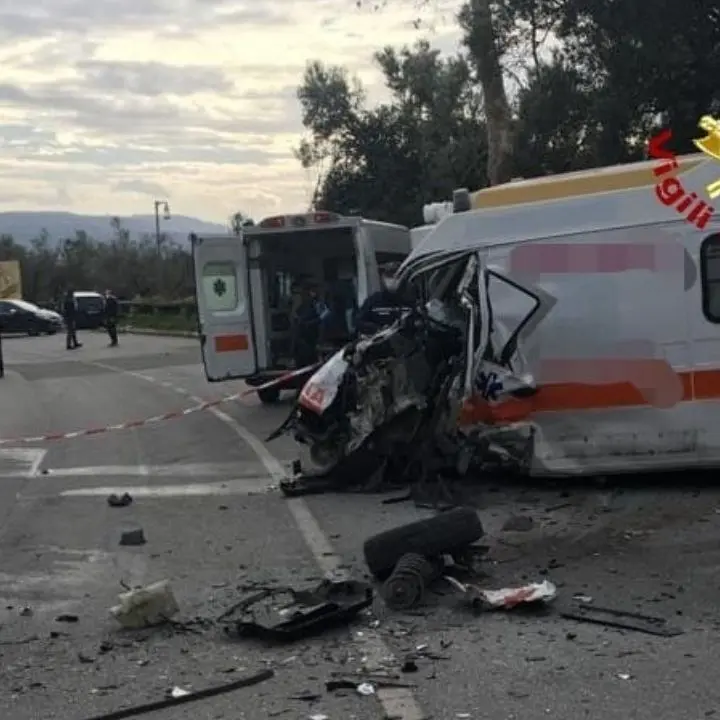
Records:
x=121, y=426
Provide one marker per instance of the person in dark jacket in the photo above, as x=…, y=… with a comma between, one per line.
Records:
x=70, y=316
x=306, y=323
x=382, y=308
x=112, y=309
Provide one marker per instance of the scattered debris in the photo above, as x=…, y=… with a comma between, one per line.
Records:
x=624, y=676
x=409, y=666
x=133, y=537
x=584, y=599
x=188, y=697
x=119, y=500
x=621, y=619
x=507, y=598
x=26, y=612
x=67, y=618
x=518, y=523
x=366, y=689
x=178, y=692
x=305, y=612
x=146, y=607
x=83, y=658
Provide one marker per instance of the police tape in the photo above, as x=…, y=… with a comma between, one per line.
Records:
x=50, y=437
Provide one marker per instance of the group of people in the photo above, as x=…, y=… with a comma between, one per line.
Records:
x=312, y=317
x=111, y=309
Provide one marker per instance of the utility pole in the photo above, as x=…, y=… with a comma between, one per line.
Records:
x=158, y=237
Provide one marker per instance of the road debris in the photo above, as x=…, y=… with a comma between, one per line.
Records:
x=146, y=607
x=443, y=534
x=133, y=537
x=284, y=614
x=366, y=689
x=26, y=612
x=178, y=692
x=622, y=619
x=506, y=598
x=187, y=697
x=119, y=500
x=67, y=618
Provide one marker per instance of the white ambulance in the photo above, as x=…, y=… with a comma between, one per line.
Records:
x=246, y=287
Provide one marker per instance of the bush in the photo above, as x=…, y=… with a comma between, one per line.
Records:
x=177, y=316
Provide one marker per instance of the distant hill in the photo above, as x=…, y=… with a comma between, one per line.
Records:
x=24, y=226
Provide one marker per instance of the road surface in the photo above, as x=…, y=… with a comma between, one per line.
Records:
x=203, y=495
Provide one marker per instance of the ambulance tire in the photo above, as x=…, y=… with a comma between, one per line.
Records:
x=269, y=396
x=443, y=534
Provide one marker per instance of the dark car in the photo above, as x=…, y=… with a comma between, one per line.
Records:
x=19, y=316
x=90, y=312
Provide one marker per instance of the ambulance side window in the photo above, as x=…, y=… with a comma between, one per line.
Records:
x=220, y=286
x=710, y=277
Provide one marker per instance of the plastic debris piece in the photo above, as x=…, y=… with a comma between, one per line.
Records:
x=133, y=537
x=311, y=611
x=145, y=607
x=506, y=598
x=188, y=697
x=178, y=692
x=119, y=500
x=366, y=689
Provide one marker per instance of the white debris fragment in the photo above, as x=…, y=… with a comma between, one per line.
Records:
x=178, y=692
x=319, y=717
x=506, y=598
x=586, y=599
x=366, y=689
x=624, y=676
x=145, y=607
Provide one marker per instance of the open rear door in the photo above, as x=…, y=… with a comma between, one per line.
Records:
x=224, y=308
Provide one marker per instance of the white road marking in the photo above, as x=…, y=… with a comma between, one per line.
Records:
x=398, y=703
x=230, y=487
x=229, y=470
x=24, y=462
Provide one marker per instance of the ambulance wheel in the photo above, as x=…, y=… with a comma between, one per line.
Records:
x=443, y=534
x=269, y=396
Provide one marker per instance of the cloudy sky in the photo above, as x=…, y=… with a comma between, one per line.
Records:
x=106, y=105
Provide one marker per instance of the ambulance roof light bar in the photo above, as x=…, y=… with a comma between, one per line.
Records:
x=300, y=221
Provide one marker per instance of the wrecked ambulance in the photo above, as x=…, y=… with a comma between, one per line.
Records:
x=569, y=325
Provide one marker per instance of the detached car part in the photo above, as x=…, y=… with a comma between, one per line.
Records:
x=445, y=534
x=309, y=612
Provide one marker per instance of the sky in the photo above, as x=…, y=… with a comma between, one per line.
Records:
x=107, y=105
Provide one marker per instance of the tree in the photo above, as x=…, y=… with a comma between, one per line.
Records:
x=387, y=161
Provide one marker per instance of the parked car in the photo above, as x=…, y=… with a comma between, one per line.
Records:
x=90, y=310
x=20, y=316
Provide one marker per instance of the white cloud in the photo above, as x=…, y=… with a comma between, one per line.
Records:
x=105, y=105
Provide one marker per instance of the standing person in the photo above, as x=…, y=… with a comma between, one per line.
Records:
x=111, y=317
x=306, y=328
x=70, y=315
x=382, y=308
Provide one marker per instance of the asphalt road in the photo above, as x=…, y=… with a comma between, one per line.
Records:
x=215, y=528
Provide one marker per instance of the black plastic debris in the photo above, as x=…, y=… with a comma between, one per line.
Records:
x=622, y=619
x=168, y=702
x=119, y=500
x=133, y=537
x=284, y=614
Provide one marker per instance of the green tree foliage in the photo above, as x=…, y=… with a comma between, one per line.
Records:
x=542, y=86
x=130, y=267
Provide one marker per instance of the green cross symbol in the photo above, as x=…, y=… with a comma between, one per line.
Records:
x=219, y=287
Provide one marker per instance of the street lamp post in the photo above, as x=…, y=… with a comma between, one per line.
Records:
x=158, y=238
